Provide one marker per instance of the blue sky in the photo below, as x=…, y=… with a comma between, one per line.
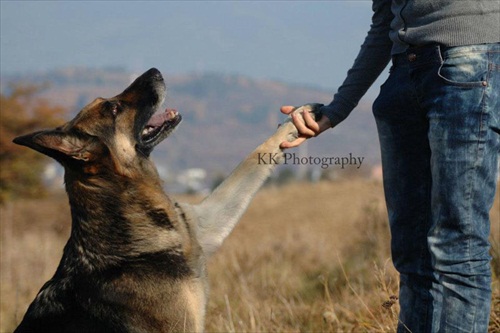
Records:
x=304, y=42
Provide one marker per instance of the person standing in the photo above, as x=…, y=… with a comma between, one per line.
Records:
x=438, y=122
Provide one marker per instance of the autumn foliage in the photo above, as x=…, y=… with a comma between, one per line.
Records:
x=22, y=112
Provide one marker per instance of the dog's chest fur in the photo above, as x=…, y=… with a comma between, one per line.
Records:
x=131, y=259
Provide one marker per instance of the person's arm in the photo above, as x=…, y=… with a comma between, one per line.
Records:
x=373, y=57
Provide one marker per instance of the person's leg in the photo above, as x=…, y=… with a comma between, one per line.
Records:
x=463, y=104
x=402, y=129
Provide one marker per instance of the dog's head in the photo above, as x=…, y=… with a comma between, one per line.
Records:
x=117, y=133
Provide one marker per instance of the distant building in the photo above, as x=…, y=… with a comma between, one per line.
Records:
x=193, y=180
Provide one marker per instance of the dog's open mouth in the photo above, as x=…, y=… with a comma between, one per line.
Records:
x=158, y=127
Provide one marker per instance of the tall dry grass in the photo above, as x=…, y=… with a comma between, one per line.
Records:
x=305, y=257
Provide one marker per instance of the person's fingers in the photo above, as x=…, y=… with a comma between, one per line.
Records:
x=287, y=109
x=291, y=144
x=305, y=123
x=311, y=123
x=302, y=128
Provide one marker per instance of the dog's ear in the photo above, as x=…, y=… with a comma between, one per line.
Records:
x=60, y=145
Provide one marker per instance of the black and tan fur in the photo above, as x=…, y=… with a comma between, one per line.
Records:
x=135, y=260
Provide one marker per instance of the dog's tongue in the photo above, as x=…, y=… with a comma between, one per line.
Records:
x=159, y=118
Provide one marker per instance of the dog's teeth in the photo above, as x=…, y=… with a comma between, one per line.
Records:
x=147, y=130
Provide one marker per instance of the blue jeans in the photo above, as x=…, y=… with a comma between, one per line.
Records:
x=438, y=119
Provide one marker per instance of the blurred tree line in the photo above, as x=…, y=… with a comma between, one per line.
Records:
x=22, y=111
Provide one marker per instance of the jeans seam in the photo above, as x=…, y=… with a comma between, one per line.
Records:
x=474, y=84
x=473, y=180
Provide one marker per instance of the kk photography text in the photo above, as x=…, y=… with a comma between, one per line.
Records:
x=323, y=161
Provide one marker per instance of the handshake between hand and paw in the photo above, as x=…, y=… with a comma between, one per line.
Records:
x=309, y=124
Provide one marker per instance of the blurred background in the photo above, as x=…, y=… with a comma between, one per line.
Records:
x=304, y=42
x=228, y=65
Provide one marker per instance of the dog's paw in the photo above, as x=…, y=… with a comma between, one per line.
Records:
x=312, y=108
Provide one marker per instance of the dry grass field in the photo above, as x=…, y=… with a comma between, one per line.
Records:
x=304, y=258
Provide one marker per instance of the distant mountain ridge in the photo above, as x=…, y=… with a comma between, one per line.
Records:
x=225, y=116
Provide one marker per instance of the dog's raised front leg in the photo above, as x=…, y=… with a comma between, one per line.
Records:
x=220, y=211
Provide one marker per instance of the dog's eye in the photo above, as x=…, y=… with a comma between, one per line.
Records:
x=114, y=110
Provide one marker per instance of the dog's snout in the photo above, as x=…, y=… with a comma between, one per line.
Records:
x=154, y=74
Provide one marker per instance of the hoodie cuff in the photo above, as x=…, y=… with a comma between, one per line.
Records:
x=336, y=111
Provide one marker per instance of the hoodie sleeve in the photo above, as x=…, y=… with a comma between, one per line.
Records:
x=373, y=57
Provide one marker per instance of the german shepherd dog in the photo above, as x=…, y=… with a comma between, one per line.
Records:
x=135, y=260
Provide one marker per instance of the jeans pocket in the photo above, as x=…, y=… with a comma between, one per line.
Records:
x=464, y=69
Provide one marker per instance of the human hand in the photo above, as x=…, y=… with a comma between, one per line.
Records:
x=306, y=126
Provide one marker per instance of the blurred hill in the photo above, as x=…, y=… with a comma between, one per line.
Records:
x=225, y=116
